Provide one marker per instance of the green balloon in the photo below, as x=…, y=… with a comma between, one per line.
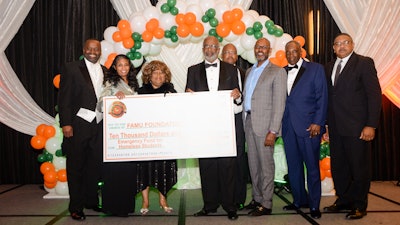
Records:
x=171, y=3
x=59, y=153
x=212, y=32
x=174, y=38
x=249, y=31
x=165, y=8
x=137, y=45
x=220, y=39
x=269, y=23
x=130, y=55
x=41, y=158
x=257, y=26
x=322, y=155
x=205, y=19
x=81, y=57
x=174, y=11
x=213, y=22
x=271, y=30
x=49, y=157
x=137, y=55
x=258, y=35
x=278, y=32
x=136, y=36
x=167, y=34
x=173, y=30
x=211, y=13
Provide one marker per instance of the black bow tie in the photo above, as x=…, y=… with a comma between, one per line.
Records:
x=208, y=65
x=292, y=67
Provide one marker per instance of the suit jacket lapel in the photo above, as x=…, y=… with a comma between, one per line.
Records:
x=85, y=73
x=298, y=76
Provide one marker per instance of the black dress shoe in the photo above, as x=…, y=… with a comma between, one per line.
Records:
x=204, y=212
x=315, y=213
x=356, y=214
x=336, y=208
x=78, y=215
x=260, y=211
x=252, y=205
x=232, y=215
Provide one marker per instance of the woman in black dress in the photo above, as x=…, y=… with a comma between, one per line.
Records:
x=120, y=178
x=160, y=174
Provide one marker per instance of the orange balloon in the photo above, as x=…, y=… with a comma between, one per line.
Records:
x=227, y=17
x=280, y=54
x=197, y=29
x=112, y=56
x=147, y=36
x=117, y=36
x=238, y=27
x=274, y=60
x=322, y=174
x=108, y=63
x=128, y=43
x=56, y=81
x=303, y=53
x=50, y=177
x=50, y=185
x=38, y=142
x=125, y=33
x=237, y=14
x=123, y=24
x=300, y=39
x=49, y=132
x=40, y=129
x=152, y=25
x=328, y=173
x=46, y=167
x=223, y=29
x=183, y=30
x=190, y=18
x=158, y=33
x=284, y=62
x=180, y=19
x=62, y=175
x=325, y=163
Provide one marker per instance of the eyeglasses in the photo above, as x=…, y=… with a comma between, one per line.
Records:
x=229, y=53
x=345, y=43
x=261, y=47
x=210, y=46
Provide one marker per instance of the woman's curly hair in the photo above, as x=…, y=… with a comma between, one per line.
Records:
x=113, y=77
x=152, y=66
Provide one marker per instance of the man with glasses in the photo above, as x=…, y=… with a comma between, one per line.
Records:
x=264, y=102
x=354, y=105
x=217, y=174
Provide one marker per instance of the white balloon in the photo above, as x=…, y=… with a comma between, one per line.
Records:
x=120, y=49
x=108, y=33
x=252, y=13
x=281, y=41
x=59, y=162
x=185, y=40
x=195, y=39
x=262, y=19
x=195, y=2
x=53, y=144
x=239, y=48
x=107, y=48
x=57, y=119
x=59, y=132
x=50, y=190
x=103, y=60
x=151, y=12
x=167, y=21
x=157, y=41
x=154, y=49
x=196, y=10
x=137, y=62
x=231, y=37
x=138, y=23
x=248, y=41
x=181, y=5
x=61, y=188
x=251, y=58
x=271, y=38
x=220, y=8
x=327, y=185
x=207, y=28
x=159, y=4
x=207, y=4
x=248, y=20
x=170, y=43
x=145, y=48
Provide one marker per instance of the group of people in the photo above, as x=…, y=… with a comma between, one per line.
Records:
x=300, y=102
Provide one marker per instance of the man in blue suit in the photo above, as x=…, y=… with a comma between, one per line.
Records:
x=302, y=125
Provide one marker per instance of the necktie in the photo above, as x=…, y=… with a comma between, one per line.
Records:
x=289, y=68
x=208, y=65
x=338, y=68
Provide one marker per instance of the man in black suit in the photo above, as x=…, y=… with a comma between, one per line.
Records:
x=354, y=107
x=229, y=55
x=80, y=86
x=217, y=174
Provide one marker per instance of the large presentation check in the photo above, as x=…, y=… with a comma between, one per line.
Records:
x=171, y=126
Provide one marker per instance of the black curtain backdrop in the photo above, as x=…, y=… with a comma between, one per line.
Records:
x=54, y=31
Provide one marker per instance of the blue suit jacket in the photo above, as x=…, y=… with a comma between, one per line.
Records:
x=308, y=100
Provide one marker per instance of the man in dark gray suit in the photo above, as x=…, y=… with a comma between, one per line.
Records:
x=264, y=102
x=354, y=106
x=217, y=174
